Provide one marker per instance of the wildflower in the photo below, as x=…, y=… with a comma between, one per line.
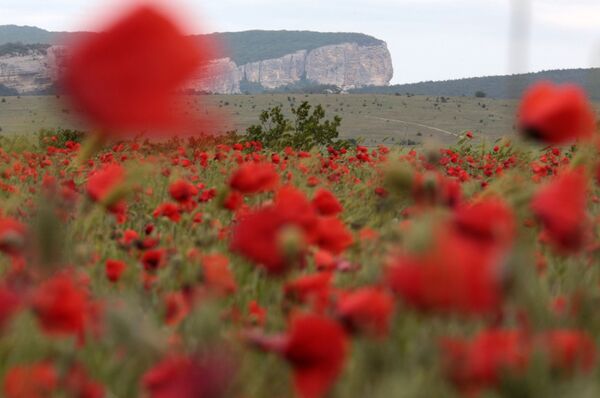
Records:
x=197, y=376
x=326, y=203
x=487, y=221
x=217, y=274
x=61, y=306
x=152, y=260
x=479, y=364
x=453, y=276
x=561, y=208
x=124, y=78
x=254, y=178
x=114, y=270
x=331, y=234
x=570, y=350
x=79, y=384
x=257, y=235
x=556, y=114
x=12, y=236
x=182, y=191
x=315, y=347
x=104, y=182
x=168, y=210
x=37, y=380
x=368, y=310
x=311, y=289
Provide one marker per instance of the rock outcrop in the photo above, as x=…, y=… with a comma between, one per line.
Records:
x=346, y=65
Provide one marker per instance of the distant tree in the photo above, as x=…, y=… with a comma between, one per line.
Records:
x=480, y=94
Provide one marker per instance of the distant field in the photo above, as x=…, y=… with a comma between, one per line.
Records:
x=376, y=118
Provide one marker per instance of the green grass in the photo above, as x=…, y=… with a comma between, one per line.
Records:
x=376, y=118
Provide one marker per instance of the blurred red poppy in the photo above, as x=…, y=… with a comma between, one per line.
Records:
x=481, y=363
x=326, y=203
x=367, y=310
x=61, y=306
x=124, y=79
x=209, y=375
x=556, y=114
x=254, y=177
x=38, y=380
x=561, y=208
x=114, y=270
x=316, y=348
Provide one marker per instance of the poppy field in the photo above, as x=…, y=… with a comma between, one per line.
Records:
x=165, y=266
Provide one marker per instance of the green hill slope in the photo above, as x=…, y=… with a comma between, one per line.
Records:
x=496, y=86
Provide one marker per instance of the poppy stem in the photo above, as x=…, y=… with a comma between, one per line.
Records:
x=92, y=144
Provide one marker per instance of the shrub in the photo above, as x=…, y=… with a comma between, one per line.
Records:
x=308, y=129
x=59, y=137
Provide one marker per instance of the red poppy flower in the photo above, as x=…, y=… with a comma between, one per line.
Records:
x=479, y=364
x=168, y=210
x=190, y=377
x=332, y=235
x=12, y=236
x=316, y=348
x=217, y=274
x=125, y=78
x=257, y=315
x=152, y=260
x=105, y=181
x=61, y=305
x=79, y=384
x=32, y=381
x=556, y=114
x=176, y=308
x=570, y=350
x=489, y=222
x=561, y=208
x=310, y=289
x=182, y=191
x=326, y=203
x=453, y=276
x=114, y=270
x=257, y=236
x=233, y=201
x=254, y=177
x=366, y=310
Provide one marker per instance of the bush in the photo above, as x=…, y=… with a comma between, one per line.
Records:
x=59, y=137
x=480, y=94
x=309, y=129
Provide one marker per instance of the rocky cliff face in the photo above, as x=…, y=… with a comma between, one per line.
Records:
x=347, y=65
x=32, y=71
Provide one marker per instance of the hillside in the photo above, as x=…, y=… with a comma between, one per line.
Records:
x=503, y=87
x=242, y=47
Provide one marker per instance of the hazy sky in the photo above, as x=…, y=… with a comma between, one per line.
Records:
x=429, y=39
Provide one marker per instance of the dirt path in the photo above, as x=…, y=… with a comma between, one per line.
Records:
x=416, y=124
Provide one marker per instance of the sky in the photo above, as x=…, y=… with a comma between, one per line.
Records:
x=428, y=39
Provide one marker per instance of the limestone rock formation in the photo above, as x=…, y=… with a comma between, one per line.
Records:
x=346, y=65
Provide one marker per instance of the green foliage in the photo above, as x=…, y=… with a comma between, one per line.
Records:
x=494, y=86
x=59, y=137
x=21, y=49
x=25, y=35
x=480, y=94
x=307, y=130
x=257, y=45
